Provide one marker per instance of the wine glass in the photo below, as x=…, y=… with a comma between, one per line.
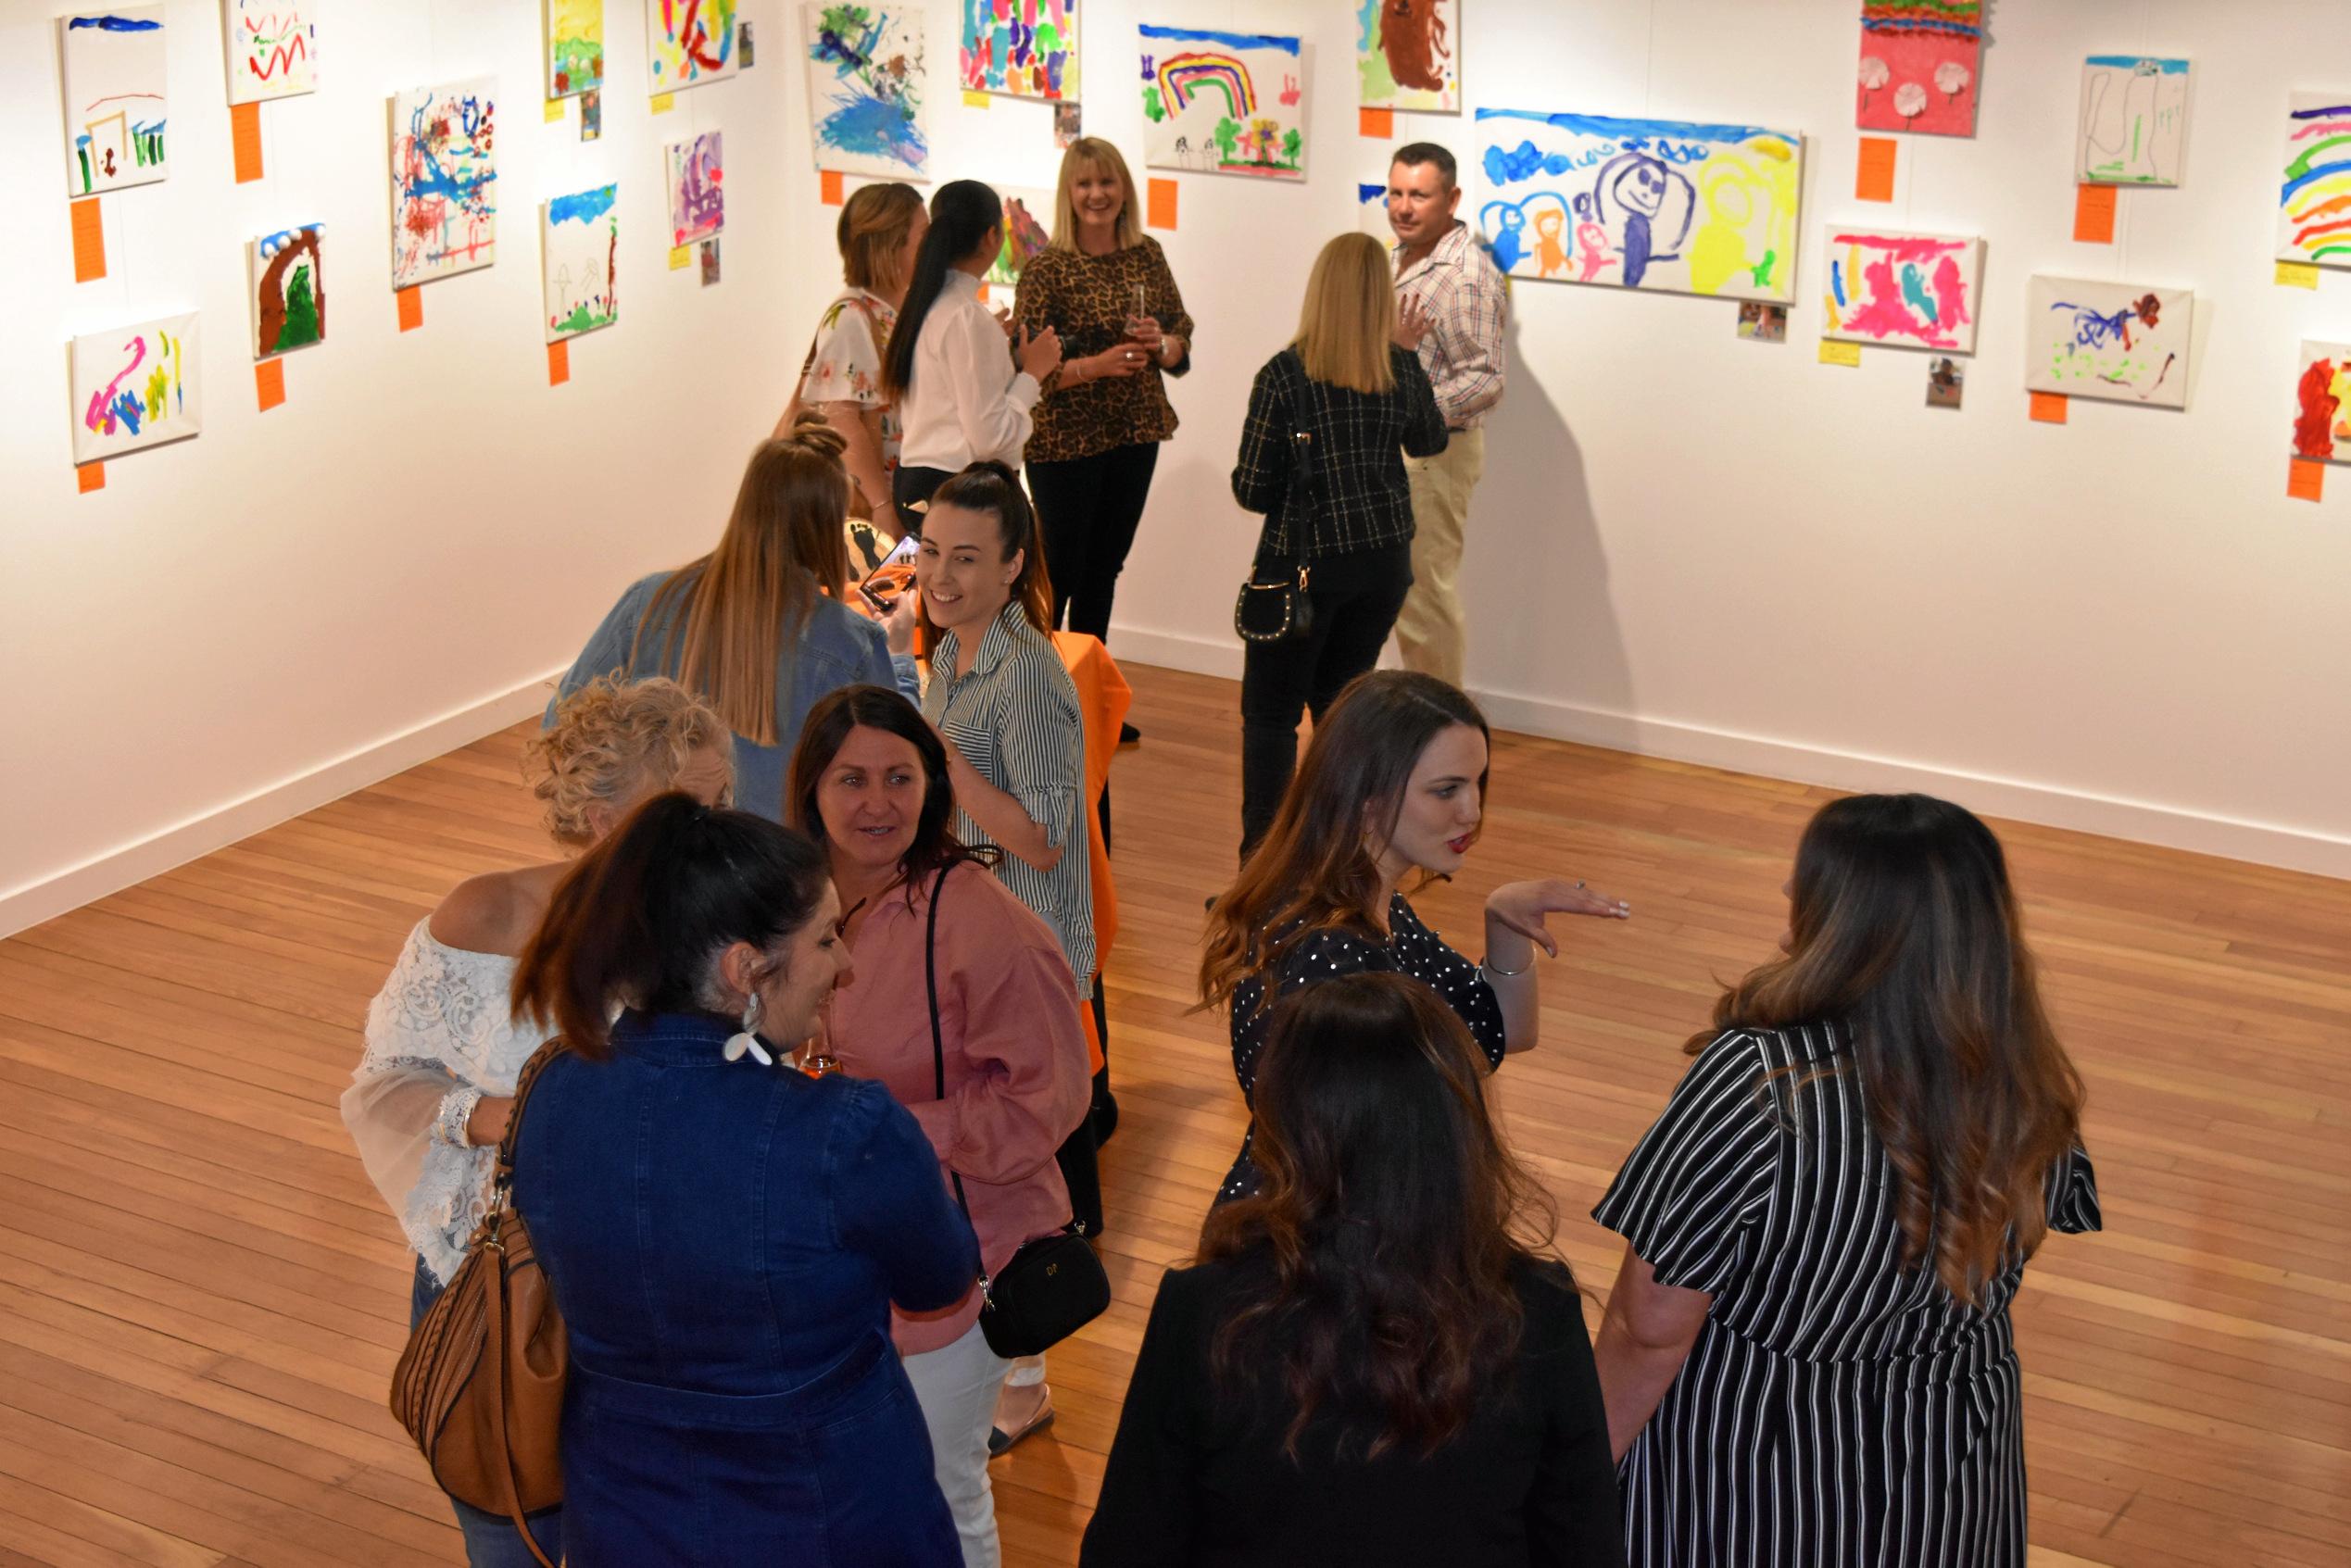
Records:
x=1139, y=313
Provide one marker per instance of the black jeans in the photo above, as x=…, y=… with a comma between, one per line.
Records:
x=911, y=487
x=1355, y=600
x=1088, y=509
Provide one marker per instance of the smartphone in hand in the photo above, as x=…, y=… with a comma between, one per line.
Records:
x=887, y=582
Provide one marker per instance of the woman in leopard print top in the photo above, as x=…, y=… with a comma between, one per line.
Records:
x=1105, y=411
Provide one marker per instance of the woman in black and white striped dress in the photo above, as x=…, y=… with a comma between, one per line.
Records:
x=1807, y=1357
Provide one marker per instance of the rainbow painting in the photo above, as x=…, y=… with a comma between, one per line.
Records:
x=2314, y=198
x=2322, y=403
x=1027, y=48
x=1906, y=291
x=1223, y=103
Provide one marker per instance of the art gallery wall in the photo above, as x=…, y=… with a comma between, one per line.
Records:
x=1687, y=544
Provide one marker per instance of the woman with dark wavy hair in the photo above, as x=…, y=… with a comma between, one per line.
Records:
x=1374, y=1361
x=1807, y=1354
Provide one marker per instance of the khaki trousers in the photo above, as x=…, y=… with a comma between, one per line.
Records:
x=1429, y=633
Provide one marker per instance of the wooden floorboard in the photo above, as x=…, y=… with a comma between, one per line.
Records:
x=201, y=1297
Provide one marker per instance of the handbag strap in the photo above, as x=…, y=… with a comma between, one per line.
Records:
x=494, y=1299
x=523, y=1082
x=1280, y=542
x=939, y=1046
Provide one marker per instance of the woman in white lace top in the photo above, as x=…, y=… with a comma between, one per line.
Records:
x=429, y=1101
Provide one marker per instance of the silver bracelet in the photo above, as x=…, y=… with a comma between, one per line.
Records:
x=1490, y=972
x=457, y=1110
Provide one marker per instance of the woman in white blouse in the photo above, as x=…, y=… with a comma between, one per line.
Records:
x=430, y=1099
x=960, y=398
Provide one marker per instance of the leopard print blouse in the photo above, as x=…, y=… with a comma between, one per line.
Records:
x=1086, y=298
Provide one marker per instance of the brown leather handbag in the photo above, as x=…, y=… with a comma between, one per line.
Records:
x=480, y=1387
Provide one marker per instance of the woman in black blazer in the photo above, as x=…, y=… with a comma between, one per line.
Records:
x=1370, y=1364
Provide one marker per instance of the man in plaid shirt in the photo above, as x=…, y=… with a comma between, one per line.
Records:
x=1450, y=291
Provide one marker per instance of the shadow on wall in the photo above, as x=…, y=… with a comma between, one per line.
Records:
x=1534, y=579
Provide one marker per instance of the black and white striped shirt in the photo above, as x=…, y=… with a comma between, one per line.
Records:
x=1837, y=1411
x=1016, y=720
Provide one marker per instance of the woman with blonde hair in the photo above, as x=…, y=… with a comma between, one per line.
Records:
x=753, y=626
x=1321, y=456
x=841, y=379
x=1105, y=287
x=1807, y=1355
x=430, y=1099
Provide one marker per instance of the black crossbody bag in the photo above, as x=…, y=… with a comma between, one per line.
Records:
x=1054, y=1285
x=1274, y=603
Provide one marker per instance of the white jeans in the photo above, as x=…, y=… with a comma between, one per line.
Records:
x=956, y=1385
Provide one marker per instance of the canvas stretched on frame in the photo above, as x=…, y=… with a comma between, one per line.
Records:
x=697, y=188
x=688, y=43
x=1408, y=55
x=2133, y=128
x=579, y=261
x=135, y=386
x=574, y=47
x=1919, y=62
x=2123, y=342
x=1651, y=204
x=1902, y=290
x=112, y=66
x=868, y=82
x=1028, y=228
x=1026, y=48
x=1223, y=103
x=443, y=181
x=2314, y=195
x=273, y=48
x=287, y=274
x=2322, y=403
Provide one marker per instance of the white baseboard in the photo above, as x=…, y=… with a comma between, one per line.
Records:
x=2138, y=821
x=117, y=869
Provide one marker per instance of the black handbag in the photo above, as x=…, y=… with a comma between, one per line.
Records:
x=1053, y=1284
x=1273, y=602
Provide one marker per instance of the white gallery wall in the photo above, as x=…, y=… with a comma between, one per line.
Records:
x=1686, y=544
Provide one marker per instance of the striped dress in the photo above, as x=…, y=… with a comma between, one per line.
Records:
x=1835, y=1411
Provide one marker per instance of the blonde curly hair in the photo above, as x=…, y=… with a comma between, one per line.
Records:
x=607, y=738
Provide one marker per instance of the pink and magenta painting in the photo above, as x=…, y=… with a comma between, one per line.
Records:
x=1919, y=62
x=1906, y=291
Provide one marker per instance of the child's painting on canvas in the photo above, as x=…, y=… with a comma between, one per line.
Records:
x=2134, y=121
x=2314, y=198
x=2123, y=342
x=1408, y=54
x=2322, y=403
x=688, y=43
x=697, y=189
x=445, y=175
x=135, y=386
x=289, y=289
x=274, y=49
x=1027, y=48
x=867, y=80
x=1909, y=291
x=1223, y=103
x=574, y=47
x=114, y=98
x=580, y=248
x=1919, y=60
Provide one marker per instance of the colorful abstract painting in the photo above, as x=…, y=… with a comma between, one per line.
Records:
x=867, y=82
x=1642, y=204
x=1223, y=103
x=2322, y=403
x=2314, y=200
x=2123, y=342
x=579, y=256
x=688, y=43
x=114, y=98
x=135, y=386
x=289, y=289
x=1028, y=228
x=1408, y=54
x=1907, y=291
x=574, y=47
x=1920, y=60
x=273, y=48
x=696, y=187
x=1026, y=47
x=2135, y=121
x=445, y=208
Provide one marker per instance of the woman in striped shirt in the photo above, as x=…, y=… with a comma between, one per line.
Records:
x=1807, y=1355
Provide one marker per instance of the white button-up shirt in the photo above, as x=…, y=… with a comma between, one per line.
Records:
x=968, y=402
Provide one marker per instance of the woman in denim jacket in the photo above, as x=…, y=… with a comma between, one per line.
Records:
x=757, y=626
x=725, y=1237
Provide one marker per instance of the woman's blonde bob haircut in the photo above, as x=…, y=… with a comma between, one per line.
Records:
x=1091, y=155
x=1350, y=316
x=872, y=234
x=610, y=738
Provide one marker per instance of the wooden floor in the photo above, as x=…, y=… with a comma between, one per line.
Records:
x=201, y=1298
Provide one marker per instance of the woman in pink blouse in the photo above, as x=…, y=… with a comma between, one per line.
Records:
x=869, y=782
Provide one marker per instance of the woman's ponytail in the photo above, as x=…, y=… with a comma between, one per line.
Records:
x=992, y=487
x=961, y=213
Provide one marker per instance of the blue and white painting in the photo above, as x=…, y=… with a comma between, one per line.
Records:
x=866, y=84
x=2127, y=343
x=114, y=98
x=1641, y=204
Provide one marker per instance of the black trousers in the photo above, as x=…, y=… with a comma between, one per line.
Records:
x=1355, y=600
x=1088, y=509
x=911, y=487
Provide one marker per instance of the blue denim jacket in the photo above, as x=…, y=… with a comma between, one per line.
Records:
x=725, y=1241
x=837, y=647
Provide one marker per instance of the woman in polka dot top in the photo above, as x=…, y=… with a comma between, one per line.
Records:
x=1393, y=782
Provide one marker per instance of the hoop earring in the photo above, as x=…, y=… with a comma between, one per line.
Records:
x=748, y=1040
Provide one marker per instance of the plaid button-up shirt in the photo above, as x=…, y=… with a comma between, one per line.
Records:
x=1468, y=306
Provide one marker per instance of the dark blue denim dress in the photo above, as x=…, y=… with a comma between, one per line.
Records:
x=725, y=1241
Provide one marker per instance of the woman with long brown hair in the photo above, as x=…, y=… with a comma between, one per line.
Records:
x=1394, y=788
x=756, y=626
x=1374, y=1361
x=1807, y=1355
